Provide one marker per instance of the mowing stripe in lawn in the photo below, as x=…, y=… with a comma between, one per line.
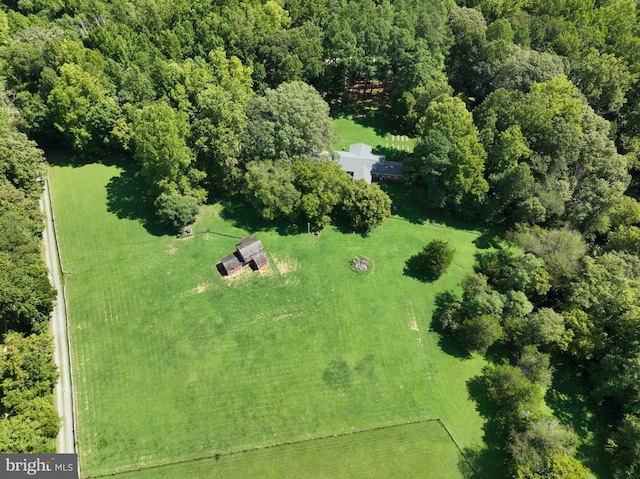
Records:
x=174, y=362
x=343, y=448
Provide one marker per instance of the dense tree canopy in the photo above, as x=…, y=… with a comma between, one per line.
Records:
x=29, y=423
x=287, y=123
x=449, y=160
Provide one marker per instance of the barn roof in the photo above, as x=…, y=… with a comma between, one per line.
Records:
x=260, y=259
x=248, y=247
x=230, y=262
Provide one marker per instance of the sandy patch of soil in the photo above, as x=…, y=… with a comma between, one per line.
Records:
x=240, y=276
x=283, y=266
x=414, y=325
x=201, y=288
x=171, y=250
x=266, y=271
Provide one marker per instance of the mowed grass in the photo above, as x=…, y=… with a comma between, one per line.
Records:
x=174, y=362
x=350, y=129
x=416, y=450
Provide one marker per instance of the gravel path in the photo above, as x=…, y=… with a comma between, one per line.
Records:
x=64, y=388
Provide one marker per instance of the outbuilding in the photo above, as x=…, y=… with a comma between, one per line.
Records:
x=249, y=252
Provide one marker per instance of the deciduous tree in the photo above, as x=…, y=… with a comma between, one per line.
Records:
x=480, y=332
x=176, y=210
x=459, y=174
x=160, y=146
x=323, y=185
x=82, y=109
x=271, y=188
x=365, y=205
x=286, y=123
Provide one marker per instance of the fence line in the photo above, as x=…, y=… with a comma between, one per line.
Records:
x=301, y=441
x=65, y=300
x=275, y=445
x=475, y=473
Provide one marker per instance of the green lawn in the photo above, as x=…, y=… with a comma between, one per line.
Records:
x=417, y=450
x=350, y=129
x=173, y=362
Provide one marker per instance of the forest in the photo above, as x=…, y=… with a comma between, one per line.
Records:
x=526, y=119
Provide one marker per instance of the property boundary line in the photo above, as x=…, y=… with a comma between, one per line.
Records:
x=464, y=456
x=63, y=274
x=291, y=443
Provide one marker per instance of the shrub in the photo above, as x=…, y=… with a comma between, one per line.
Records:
x=434, y=259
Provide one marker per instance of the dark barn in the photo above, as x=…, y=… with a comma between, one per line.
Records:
x=249, y=252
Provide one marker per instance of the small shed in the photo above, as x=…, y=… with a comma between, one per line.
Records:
x=249, y=247
x=259, y=261
x=230, y=264
x=249, y=252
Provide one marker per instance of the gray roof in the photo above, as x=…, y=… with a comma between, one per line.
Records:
x=392, y=168
x=260, y=259
x=248, y=247
x=356, y=167
x=230, y=262
x=361, y=163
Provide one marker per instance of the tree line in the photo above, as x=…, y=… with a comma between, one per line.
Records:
x=29, y=422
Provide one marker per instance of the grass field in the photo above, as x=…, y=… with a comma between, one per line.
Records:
x=350, y=129
x=416, y=450
x=174, y=362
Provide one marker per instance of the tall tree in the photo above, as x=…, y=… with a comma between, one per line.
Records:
x=220, y=120
x=323, y=185
x=288, y=122
x=365, y=205
x=458, y=165
x=21, y=162
x=160, y=146
x=271, y=188
x=83, y=109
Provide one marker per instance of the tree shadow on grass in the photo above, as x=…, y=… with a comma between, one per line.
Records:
x=490, y=461
x=404, y=203
x=414, y=269
x=408, y=205
x=451, y=346
x=572, y=404
x=391, y=154
x=485, y=462
x=342, y=224
x=128, y=198
x=61, y=157
x=243, y=216
x=489, y=239
x=370, y=114
x=446, y=341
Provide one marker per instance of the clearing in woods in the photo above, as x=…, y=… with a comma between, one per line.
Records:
x=174, y=363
